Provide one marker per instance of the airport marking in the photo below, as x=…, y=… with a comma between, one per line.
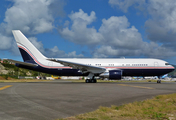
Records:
x=136, y=86
x=7, y=86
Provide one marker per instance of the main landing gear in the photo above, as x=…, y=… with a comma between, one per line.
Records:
x=91, y=78
x=91, y=81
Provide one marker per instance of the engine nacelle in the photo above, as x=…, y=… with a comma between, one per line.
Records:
x=115, y=74
x=112, y=74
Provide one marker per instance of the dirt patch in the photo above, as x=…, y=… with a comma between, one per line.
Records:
x=2, y=78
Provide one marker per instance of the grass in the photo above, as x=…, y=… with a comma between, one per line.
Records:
x=162, y=107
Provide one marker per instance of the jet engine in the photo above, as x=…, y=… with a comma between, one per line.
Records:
x=112, y=74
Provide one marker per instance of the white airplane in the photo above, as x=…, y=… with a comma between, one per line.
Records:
x=108, y=68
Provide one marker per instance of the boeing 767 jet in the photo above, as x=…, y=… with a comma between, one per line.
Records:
x=90, y=67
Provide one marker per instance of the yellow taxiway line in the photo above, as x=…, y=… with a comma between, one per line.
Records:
x=136, y=86
x=2, y=88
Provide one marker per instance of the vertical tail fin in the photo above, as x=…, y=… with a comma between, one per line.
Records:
x=28, y=51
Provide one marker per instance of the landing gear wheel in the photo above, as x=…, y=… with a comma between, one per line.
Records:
x=90, y=80
x=87, y=81
x=158, y=81
x=93, y=81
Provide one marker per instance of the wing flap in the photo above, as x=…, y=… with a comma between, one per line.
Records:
x=82, y=67
x=22, y=63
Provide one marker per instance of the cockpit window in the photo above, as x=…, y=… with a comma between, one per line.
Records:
x=166, y=63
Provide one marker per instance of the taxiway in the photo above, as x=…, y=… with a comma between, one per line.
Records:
x=52, y=100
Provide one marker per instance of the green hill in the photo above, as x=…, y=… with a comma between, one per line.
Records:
x=8, y=69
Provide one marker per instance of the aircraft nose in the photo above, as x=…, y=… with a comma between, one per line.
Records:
x=173, y=67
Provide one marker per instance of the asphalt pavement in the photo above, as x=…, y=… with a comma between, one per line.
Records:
x=60, y=99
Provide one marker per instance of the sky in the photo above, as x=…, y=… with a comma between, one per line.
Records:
x=91, y=28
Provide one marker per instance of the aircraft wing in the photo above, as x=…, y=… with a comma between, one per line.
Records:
x=84, y=68
x=22, y=63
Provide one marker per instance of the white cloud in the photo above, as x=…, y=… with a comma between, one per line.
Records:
x=127, y=41
x=53, y=52
x=73, y=55
x=152, y=50
x=79, y=32
x=125, y=4
x=109, y=51
x=160, y=28
x=29, y=16
x=162, y=25
x=66, y=24
x=5, y=42
x=117, y=32
x=114, y=38
x=37, y=44
x=81, y=16
x=155, y=51
x=32, y=17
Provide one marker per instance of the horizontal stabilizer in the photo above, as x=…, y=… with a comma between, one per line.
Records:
x=22, y=63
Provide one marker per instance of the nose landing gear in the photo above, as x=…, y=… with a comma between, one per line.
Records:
x=158, y=81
